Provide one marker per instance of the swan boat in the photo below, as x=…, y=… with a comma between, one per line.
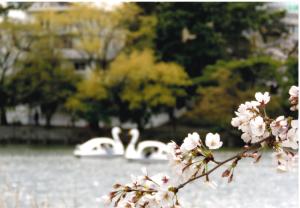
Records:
x=102, y=146
x=146, y=150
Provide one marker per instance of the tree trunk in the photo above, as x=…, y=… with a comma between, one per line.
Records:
x=140, y=124
x=173, y=122
x=48, y=110
x=3, y=116
x=94, y=124
x=104, y=64
x=48, y=120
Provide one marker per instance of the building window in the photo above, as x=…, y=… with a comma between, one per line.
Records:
x=79, y=65
x=67, y=41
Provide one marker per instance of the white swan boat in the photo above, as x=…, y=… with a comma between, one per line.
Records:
x=102, y=146
x=147, y=150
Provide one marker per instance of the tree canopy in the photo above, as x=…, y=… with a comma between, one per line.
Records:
x=221, y=31
x=226, y=84
x=44, y=79
x=142, y=59
x=136, y=86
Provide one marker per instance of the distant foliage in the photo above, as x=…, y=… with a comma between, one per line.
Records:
x=44, y=79
x=224, y=83
x=289, y=77
x=146, y=85
x=142, y=59
x=13, y=43
x=135, y=86
x=99, y=34
x=90, y=102
x=222, y=31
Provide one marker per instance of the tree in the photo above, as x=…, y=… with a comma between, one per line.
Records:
x=44, y=79
x=289, y=77
x=14, y=41
x=221, y=31
x=133, y=88
x=225, y=83
x=140, y=86
x=100, y=34
x=91, y=100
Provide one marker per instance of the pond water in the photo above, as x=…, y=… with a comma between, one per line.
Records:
x=31, y=177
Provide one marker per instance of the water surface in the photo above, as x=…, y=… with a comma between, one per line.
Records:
x=51, y=177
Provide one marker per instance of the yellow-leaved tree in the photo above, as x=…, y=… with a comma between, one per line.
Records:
x=141, y=86
x=133, y=88
x=90, y=102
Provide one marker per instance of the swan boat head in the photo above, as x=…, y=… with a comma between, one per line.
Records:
x=130, y=152
x=118, y=145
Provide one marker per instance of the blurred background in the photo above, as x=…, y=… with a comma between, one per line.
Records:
x=72, y=71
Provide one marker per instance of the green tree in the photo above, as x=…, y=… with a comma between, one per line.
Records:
x=222, y=30
x=289, y=72
x=226, y=84
x=44, y=79
x=14, y=41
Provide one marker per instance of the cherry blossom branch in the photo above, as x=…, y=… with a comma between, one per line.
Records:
x=220, y=164
x=190, y=160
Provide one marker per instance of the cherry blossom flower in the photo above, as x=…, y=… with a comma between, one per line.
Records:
x=258, y=126
x=245, y=114
x=292, y=136
x=212, y=141
x=211, y=184
x=106, y=200
x=285, y=160
x=190, y=142
x=294, y=93
x=279, y=126
x=263, y=99
x=148, y=201
x=246, y=137
x=165, y=198
x=126, y=204
x=186, y=171
x=174, y=152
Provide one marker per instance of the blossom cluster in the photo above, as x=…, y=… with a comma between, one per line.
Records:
x=191, y=158
x=188, y=161
x=144, y=191
x=194, y=158
x=251, y=118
